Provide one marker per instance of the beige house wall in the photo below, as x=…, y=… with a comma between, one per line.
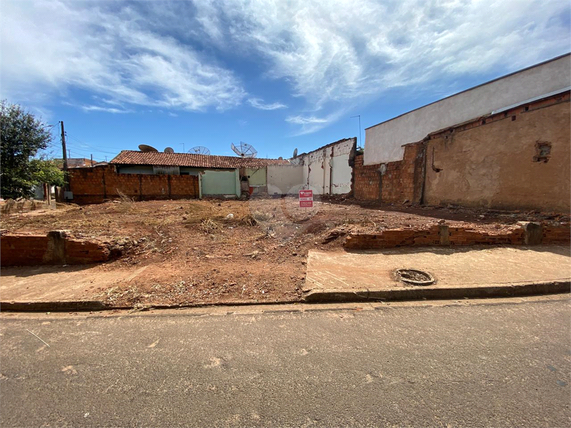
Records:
x=492, y=164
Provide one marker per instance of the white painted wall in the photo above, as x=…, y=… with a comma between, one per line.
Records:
x=325, y=171
x=384, y=141
x=342, y=175
x=316, y=171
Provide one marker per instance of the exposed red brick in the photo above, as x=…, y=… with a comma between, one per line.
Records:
x=32, y=250
x=552, y=234
x=95, y=185
x=401, y=182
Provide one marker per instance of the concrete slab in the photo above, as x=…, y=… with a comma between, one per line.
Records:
x=59, y=283
x=371, y=274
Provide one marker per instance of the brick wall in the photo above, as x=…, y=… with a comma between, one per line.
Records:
x=95, y=185
x=445, y=235
x=184, y=185
x=366, y=180
x=557, y=234
x=402, y=181
x=52, y=249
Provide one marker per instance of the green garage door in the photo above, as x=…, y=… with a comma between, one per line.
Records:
x=216, y=183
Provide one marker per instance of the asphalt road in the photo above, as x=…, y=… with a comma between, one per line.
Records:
x=476, y=364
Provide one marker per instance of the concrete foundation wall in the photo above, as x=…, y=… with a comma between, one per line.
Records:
x=494, y=163
x=384, y=141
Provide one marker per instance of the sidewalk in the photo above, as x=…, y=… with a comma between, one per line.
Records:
x=53, y=288
x=341, y=276
x=458, y=272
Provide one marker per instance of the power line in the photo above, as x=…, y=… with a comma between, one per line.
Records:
x=89, y=146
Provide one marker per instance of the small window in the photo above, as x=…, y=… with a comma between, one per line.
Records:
x=542, y=151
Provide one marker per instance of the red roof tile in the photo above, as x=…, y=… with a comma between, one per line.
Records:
x=129, y=157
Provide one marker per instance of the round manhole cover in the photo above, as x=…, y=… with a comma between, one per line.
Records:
x=414, y=277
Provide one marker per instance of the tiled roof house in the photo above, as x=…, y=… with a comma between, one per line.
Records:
x=192, y=160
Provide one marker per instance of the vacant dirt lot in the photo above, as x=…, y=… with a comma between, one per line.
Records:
x=210, y=251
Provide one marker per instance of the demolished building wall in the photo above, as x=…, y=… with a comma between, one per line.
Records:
x=326, y=171
x=513, y=159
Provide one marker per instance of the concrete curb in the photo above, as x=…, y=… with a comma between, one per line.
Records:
x=425, y=293
x=318, y=296
x=93, y=306
x=56, y=306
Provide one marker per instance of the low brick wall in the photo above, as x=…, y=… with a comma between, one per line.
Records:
x=52, y=249
x=445, y=235
x=556, y=234
x=95, y=185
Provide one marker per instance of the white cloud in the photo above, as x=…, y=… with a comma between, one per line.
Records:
x=338, y=52
x=333, y=55
x=109, y=53
x=259, y=104
x=300, y=120
x=310, y=124
x=104, y=109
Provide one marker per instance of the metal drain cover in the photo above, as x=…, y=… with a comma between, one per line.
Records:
x=414, y=277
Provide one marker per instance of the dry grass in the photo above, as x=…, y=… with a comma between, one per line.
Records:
x=210, y=226
x=9, y=206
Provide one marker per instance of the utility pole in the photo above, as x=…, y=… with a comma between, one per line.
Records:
x=360, y=139
x=65, y=173
x=68, y=153
x=63, y=147
x=92, y=160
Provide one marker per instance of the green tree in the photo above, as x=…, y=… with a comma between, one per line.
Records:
x=22, y=136
x=46, y=171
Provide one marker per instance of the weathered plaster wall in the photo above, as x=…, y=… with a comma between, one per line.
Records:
x=490, y=163
x=327, y=170
x=284, y=179
x=256, y=176
x=384, y=141
x=342, y=174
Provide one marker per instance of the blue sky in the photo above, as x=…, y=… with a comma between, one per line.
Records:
x=278, y=75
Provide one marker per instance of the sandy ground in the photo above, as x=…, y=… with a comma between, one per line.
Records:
x=214, y=251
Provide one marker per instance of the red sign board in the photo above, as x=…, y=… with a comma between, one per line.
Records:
x=306, y=198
